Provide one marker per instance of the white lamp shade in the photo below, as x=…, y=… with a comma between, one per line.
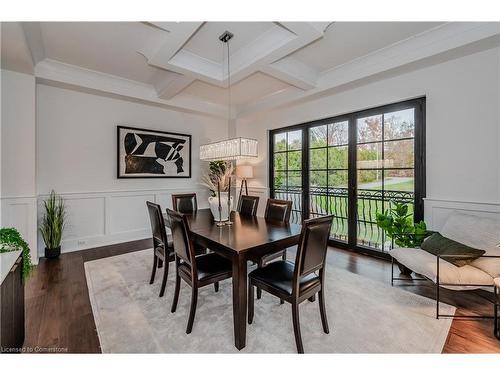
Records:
x=244, y=171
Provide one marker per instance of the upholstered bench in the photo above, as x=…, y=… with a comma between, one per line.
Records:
x=474, y=231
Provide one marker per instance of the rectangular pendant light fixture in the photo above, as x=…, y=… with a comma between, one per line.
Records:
x=235, y=148
x=229, y=149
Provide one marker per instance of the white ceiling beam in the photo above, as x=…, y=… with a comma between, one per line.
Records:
x=188, y=63
x=293, y=72
x=321, y=26
x=55, y=71
x=171, y=84
x=178, y=35
x=274, y=44
x=427, y=44
x=33, y=35
x=261, y=51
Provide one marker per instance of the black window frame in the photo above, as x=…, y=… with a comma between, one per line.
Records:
x=419, y=104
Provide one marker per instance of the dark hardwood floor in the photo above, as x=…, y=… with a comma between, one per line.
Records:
x=59, y=316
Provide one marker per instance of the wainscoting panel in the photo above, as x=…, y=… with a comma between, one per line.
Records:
x=104, y=218
x=128, y=212
x=438, y=210
x=79, y=210
x=20, y=213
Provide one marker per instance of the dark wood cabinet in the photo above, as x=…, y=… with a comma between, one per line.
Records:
x=12, y=310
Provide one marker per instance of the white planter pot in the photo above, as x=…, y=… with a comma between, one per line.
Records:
x=214, y=207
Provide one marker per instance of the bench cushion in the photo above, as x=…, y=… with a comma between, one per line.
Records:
x=478, y=232
x=424, y=263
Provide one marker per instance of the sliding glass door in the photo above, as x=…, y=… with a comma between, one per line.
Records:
x=352, y=167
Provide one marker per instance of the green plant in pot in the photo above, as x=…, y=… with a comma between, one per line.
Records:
x=397, y=223
x=52, y=225
x=11, y=240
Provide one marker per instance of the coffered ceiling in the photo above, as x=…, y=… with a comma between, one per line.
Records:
x=184, y=65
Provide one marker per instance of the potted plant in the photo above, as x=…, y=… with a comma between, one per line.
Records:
x=52, y=224
x=218, y=182
x=219, y=173
x=11, y=240
x=397, y=223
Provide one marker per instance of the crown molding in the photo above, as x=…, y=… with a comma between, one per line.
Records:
x=168, y=87
x=419, y=47
x=53, y=72
x=294, y=72
x=34, y=41
x=269, y=53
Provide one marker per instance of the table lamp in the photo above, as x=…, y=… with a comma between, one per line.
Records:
x=244, y=172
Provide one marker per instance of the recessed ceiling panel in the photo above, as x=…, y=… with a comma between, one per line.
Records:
x=255, y=87
x=246, y=91
x=108, y=47
x=206, y=43
x=346, y=41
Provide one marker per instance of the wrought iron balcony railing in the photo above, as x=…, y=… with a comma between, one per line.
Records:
x=334, y=201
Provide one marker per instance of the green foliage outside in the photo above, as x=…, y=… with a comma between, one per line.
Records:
x=11, y=240
x=398, y=224
x=328, y=150
x=53, y=221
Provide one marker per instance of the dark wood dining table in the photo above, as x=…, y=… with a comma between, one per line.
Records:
x=247, y=239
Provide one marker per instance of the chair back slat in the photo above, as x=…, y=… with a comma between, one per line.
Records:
x=157, y=225
x=184, y=203
x=248, y=205
x=180, y=236
x=278, y=210
x=313, y=244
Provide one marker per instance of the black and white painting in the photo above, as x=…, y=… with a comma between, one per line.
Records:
x=150, y=153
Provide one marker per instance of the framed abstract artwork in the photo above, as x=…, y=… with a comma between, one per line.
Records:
x=144, y=153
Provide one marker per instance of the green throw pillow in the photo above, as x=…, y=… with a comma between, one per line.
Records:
x=437, y=244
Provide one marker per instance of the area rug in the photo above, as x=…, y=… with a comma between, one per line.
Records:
x=365, y=316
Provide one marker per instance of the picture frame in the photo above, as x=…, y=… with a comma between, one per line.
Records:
x=149, y=153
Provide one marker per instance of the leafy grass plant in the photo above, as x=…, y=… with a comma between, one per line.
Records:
x=53, y=221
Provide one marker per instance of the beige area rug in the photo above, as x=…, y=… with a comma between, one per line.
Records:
x=365, y=316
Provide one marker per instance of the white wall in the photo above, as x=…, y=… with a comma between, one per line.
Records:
x=72, y=147
x=18, y=182
x=76, y=156
x=462, y=124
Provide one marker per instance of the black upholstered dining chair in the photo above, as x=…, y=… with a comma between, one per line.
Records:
x=184, y=203
x=296, y=282
x=163, y=252
x=196, y=271
x=248, y=205
x=280, y=211
x=187, y=204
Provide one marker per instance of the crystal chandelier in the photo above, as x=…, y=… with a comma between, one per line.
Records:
x=229, y=149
